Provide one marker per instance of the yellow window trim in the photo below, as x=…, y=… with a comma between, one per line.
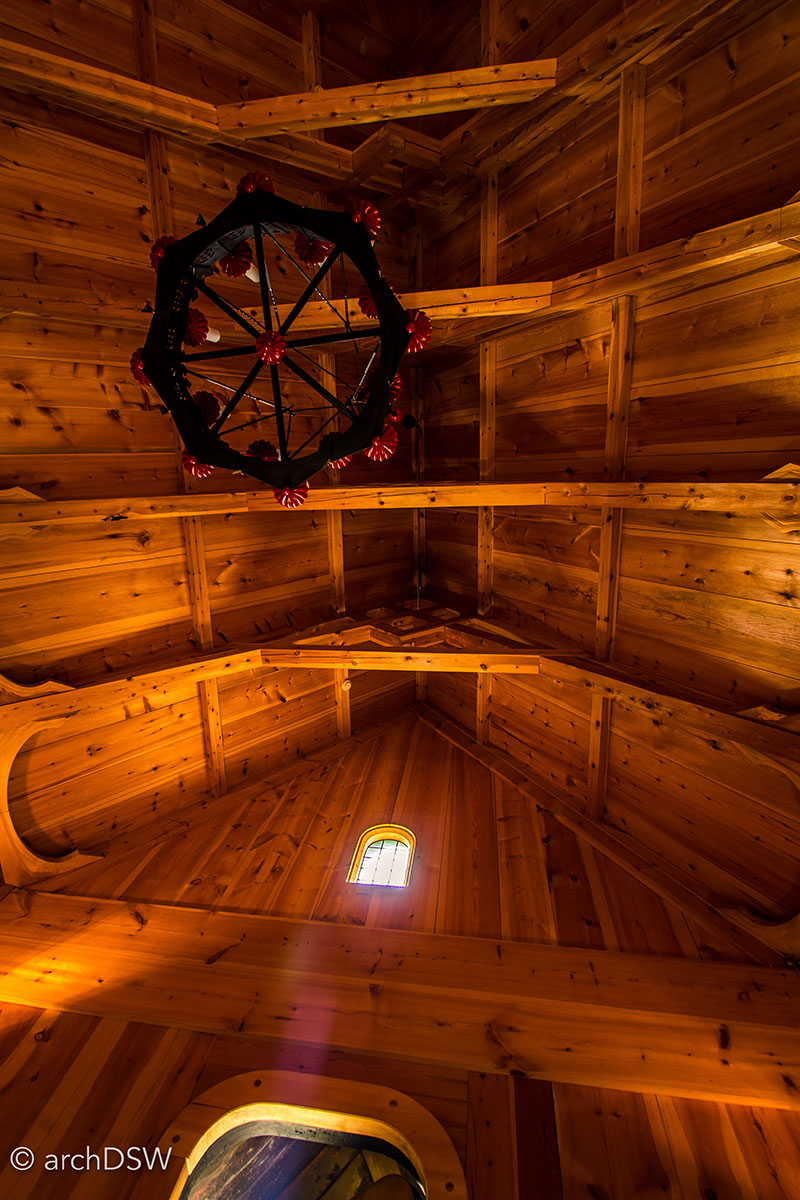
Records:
x=377, y=833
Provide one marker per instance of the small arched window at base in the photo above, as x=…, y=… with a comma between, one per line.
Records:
x=383, y=857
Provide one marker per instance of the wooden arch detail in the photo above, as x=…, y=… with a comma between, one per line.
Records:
x=19, y=864
x=333, y=1105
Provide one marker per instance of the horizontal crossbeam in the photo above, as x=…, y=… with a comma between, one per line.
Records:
x=593, y=1017
x=451, y=91
x=775, y=496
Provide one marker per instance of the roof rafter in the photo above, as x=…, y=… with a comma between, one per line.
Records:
x=637, y=860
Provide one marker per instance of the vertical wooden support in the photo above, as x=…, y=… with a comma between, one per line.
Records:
x=608, y=573
x=618, y=400
x=488, y=381
x=490, y=56
x=630, y=155
x=537, y=1140
x=312, y=57
x=343, y=686
x=417, y=407
x=488, y=371
x=491, y=1137
x=336, y=559
x=630, y=158
x=485, y=556
x=155, y=154
x=484, y=707
x=490, y=49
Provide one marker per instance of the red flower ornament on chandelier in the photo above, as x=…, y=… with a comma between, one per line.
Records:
x=383, y=445
x=394, y=416
x=291, y=497
x=366, y=214
x=311, y=251
x=271, y=348
x=263, y=450
x=238, y=262
x=366, y=302
x=196, y=327
x=137, y=368
x=210, y=406
x=157, y=250
x=420, y=328
x=253, y=180
x=193, y=467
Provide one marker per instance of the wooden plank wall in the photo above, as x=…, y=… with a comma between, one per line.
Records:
x=705, y=604
x=283, y=847
x=60, y=1076
x=79, y=603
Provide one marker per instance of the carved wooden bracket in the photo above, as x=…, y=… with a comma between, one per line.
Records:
x=20, y=865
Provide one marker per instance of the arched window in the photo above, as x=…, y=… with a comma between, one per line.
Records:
x=383, y=857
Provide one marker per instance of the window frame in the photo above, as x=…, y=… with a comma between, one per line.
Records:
x=379, y=833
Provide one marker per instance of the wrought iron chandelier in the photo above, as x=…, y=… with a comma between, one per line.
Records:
x=344, y=408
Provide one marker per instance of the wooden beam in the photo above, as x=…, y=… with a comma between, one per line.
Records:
x=312, y=51
x=484, y=709
x=636, y=859
x=485, y=557
x=635, y=1022
x=488, y=375
x=452, y=91
x=760, y=734
x=103, y=94
x=490, y=41
x=343, y=684
x=620, y=372
x=778, y=496
x=405, y=658
x=336, y=561
x=130, y=689
x=451, y=304
x=607, y=582
x=648, y=269
x=629, y=688
x=148, y=108
x=630, y=159
x=589, y=70
x=390, y=142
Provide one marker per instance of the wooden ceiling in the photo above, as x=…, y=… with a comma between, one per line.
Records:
x=556, y=634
